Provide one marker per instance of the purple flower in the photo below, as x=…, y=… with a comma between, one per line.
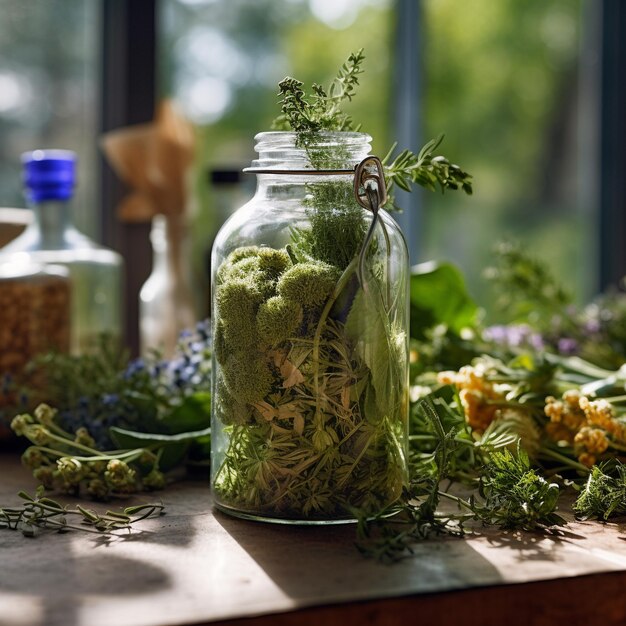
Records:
x=567, y=345
x=592, y=326
x=496, y=333
x=514, y=336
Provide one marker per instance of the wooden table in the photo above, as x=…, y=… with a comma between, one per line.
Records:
x=197, y=566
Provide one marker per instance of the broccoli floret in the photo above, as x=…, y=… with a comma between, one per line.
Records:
x=247, y=376
x=243, y=253
x=278, y=319
x=229, y=409
x=309, y=284
x=219, y=343
x=262, y=266
x=273, y=262
x=242, y=269
x=237, y=303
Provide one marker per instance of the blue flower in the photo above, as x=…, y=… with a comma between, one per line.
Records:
x=134, y=367
x=109, y=399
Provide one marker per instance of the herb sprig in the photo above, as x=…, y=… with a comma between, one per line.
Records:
x=504, y=490
x=321, y=111
x=604, y=494
x=40, y=512
x=425, y=169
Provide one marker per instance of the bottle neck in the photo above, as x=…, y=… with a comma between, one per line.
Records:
x=159, y=252
x=53, y=218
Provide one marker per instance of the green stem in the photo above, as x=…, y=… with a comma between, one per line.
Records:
x=551, y=454
x=339, y=286
x=459, y=501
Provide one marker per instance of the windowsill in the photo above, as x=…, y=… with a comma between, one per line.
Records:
x=194, y=566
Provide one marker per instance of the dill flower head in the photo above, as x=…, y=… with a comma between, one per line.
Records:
x=39, y=435
x=154, y=480
x=71, y=470
x=97, y=488
x=45, y=414
x=46, y=476
x=32, y=457
x=84, y=438
x=21, y=423
x=119, y=475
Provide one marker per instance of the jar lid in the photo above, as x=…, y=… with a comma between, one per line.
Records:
x=49, y=174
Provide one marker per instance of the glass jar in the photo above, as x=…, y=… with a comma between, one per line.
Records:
x=310, y=335
x=34, y=315
x=95, y=272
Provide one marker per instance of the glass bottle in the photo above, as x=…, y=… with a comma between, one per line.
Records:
x=95, y=272
x=310, y=335
x=165, y=303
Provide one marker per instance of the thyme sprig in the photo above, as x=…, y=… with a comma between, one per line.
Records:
x=40, y=512
x=426, y=169
x=322, y=109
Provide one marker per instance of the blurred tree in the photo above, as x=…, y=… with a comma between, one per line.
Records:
x=502, y=84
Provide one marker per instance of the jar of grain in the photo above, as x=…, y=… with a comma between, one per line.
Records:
x=34, y=314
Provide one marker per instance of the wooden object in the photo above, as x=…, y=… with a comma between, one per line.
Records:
x=196, y=566
x=12, y=223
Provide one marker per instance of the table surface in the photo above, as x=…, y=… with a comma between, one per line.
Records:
x=198, y=566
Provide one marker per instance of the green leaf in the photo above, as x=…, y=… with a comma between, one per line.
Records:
x=439, y=296
x=194, y=413
x=380, y=347
x=174, y=447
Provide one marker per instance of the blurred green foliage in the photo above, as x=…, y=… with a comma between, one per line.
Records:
x=502, y=83
x=500, y=79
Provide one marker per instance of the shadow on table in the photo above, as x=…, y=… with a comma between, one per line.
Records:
x=539, y=545
x=58, y=580
x=321, y=564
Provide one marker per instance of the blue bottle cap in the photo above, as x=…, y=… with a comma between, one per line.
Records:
x=49, y=174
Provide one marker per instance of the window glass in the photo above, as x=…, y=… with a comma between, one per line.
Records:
x=48, y=92
x=221, y=60
x=503, y=81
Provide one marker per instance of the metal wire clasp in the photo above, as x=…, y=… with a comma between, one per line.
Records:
x=370, y=190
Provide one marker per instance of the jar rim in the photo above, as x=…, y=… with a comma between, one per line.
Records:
x=278, y=150
x=345, y=135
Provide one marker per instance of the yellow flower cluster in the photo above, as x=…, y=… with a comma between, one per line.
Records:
x=583, y=423
x=479, y=396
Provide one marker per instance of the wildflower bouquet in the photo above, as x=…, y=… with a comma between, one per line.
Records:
x=107, y=426
x=507, y=410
